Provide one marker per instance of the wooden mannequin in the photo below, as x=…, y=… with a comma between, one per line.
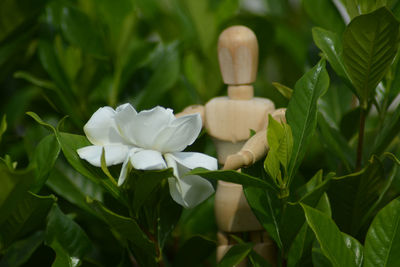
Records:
x=228, y=121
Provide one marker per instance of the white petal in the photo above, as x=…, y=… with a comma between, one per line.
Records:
x=101, y=128
x=180, y=133
x=124, y=171
x=114, y=154
x=142, y=128
x=192, y=160
x=147, y=160
x=190, y=191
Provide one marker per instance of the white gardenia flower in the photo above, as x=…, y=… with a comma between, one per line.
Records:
x=150, y=140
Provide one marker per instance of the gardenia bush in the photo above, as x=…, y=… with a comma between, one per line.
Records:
x=85, y=181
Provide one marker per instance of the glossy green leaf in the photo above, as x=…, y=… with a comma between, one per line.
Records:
x=336, y=143
x=236, y=254
x=266, y=206
x=128, y=229
x=353, y=195
x=280, y=141
x=28, y=214
x=284, y=90
x=356, y=247
x=44, y=158
x=301, y=113
x=390, y=130
x=20, y=251
x=69, y=144
x=143, y=184
x=311, y=194
x=324, y=14
x=234, y=177
x=330, y=238
x=382, y=243
x=302, y=243
x=331, y=45
x=64, y=235
x=318, y=257
x=169, y=214
x=80, y=31
x=369, y=45
x=72, y=186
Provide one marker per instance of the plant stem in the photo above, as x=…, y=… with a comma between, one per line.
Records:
x=360, y=139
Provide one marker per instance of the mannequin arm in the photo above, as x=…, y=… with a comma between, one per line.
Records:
x=191, y=110
x=255, y=148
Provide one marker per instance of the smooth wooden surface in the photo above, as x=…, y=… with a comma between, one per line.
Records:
x=238, y=55
x=233, y=213
x=231, y=119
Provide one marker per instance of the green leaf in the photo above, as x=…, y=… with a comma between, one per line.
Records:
x=128, y=228
x=284, y=90
x=233, y=177
x=144, y=183
x=324, y=14
x=382, y=243
x=329, y=237
x=169, y=214
x=70, y=143
x=165, y=74
x=13, y=187
x=302, y=243
x=331, y=45
x=301, y=113
x=20, y=252
x=336, y=144
x=44, y=158
x=367, y=6
x=369, y=45
x=266, y=206
x=80, y=31
x=353, y=195
x=311, y=194
x=280, y=141
x=73, y=187
x=356, y=247
x=3, y=126
x=257, y=260
x=236, y=254
x=27, y=215
x=65, y=235
x=390, y=130
x=39, y=120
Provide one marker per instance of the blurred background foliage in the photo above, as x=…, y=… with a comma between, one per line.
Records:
x=70, y=57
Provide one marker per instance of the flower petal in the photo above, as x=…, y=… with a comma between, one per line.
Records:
x=142, y=128
x=190, y=191
x=124, y=171
x=192, y=160
x=101, y=128
x=147, y=160
x=114, y=154
x=180, y=133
